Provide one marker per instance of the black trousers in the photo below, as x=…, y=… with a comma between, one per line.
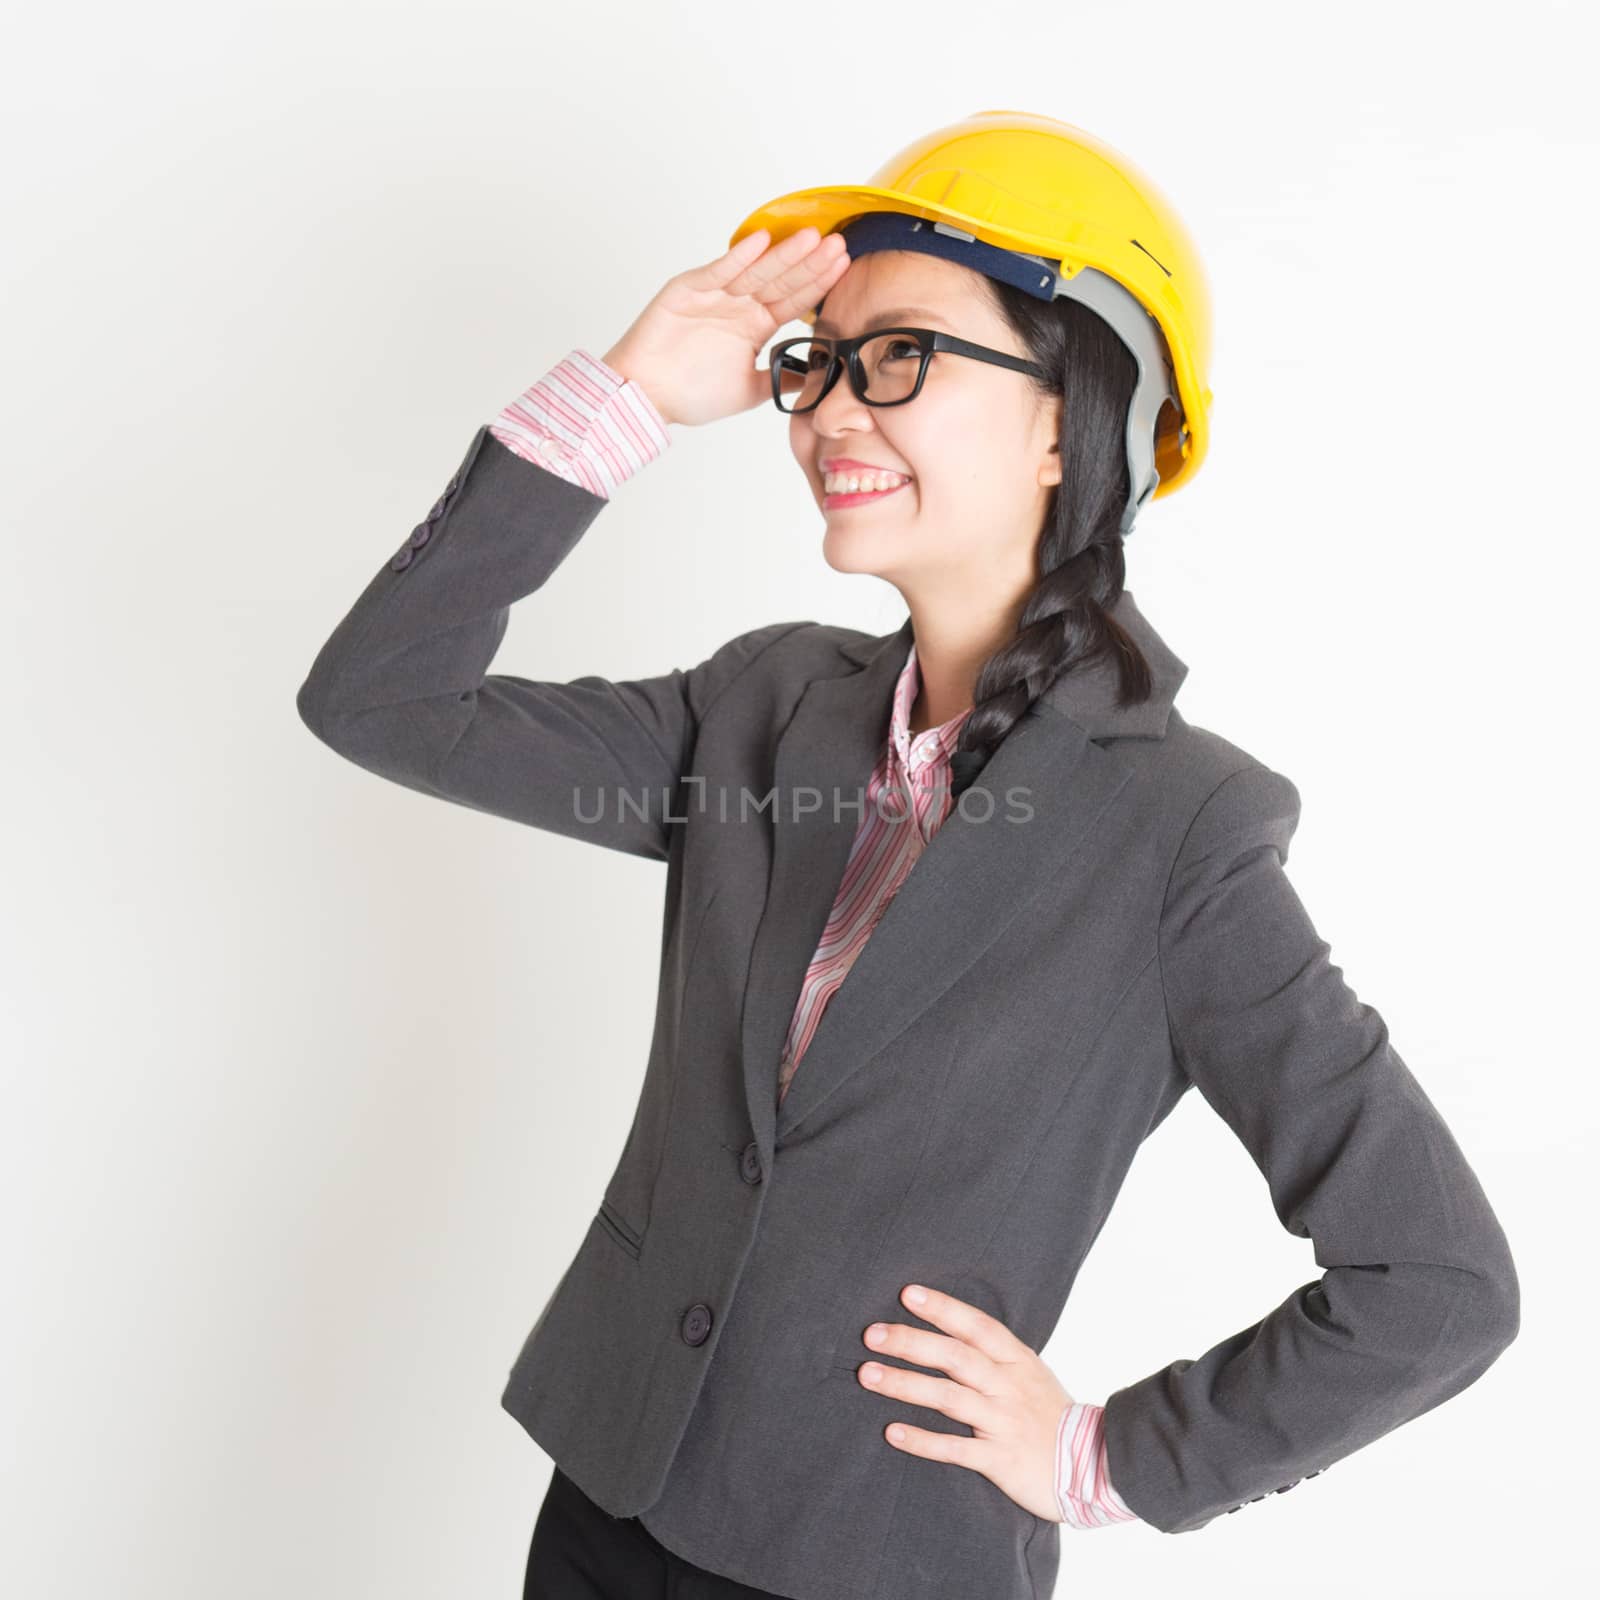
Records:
x=580, y=1552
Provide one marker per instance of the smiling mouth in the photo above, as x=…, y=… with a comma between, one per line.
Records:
x=835, y=502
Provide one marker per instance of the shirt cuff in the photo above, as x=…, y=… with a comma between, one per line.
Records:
x=1083, y=1481
x=584, y=422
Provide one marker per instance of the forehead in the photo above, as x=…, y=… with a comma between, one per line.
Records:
x=903, y=286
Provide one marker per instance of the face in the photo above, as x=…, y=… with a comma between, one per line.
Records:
x=979, y=443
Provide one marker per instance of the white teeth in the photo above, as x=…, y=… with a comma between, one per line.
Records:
x=856, y=482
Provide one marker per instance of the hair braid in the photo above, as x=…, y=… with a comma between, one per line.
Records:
x=1065, y=621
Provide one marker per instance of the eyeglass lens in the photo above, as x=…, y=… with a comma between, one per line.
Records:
x=889, y=362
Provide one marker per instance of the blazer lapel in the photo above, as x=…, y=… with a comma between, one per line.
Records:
x=1035, y=802
x=828, y=749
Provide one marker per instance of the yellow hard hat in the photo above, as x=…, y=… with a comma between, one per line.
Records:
x=1051, y=196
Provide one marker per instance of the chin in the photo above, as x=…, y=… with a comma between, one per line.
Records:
x=865, y=551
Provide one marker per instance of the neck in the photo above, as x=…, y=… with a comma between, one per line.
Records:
x=952, y=647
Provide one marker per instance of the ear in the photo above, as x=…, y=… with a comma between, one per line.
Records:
x=1050, y=467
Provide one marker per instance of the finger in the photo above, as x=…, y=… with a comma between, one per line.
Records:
x=818, y=277
x=806, y=265
x=773, y=266
x=961, y=1360
x=966, y=1322
x=955, y=1448
x=729, y=265
x=954, y=1400
x=730, y=269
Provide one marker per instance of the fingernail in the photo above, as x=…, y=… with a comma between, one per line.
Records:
x=916, y=1294
x=871, y=1373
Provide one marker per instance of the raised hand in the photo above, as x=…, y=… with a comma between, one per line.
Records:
x=693, y=348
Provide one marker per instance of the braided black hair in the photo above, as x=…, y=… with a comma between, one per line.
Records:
x=1064, y=622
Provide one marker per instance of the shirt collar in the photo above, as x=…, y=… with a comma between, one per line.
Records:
x=933, y=745
x=1089, y=696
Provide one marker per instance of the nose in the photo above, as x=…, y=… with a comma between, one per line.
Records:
x=840, y=401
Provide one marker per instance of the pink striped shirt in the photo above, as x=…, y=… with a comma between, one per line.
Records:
x=585, y=422
x=908, y=798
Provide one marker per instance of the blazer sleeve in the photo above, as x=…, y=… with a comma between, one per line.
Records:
x=1419, y=1294
x=402, y=687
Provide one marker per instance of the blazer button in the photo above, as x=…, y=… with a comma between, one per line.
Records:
x=750, y=1163
x=696, y=1324
x=420, y=535
x=403, y=558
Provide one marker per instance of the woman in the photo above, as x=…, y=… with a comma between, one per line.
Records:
x=887, y=1110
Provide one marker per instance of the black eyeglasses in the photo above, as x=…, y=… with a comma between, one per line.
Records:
x=886, y=366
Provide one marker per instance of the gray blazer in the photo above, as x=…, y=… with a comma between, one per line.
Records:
x=1103, y=922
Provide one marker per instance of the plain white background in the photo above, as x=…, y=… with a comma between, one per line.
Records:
x=310, y=1087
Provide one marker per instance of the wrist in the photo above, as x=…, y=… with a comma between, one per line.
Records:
x=623, y=365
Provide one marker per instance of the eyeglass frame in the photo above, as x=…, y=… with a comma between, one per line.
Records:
x=844, y=355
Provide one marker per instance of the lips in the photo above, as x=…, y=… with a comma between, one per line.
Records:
x=849, y=464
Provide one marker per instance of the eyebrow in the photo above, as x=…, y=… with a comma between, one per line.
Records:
x=886, y=319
